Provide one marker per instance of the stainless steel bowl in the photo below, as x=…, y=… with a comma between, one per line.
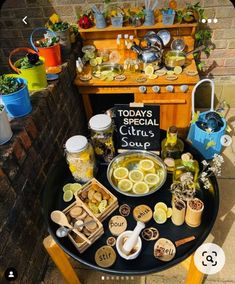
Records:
x=131, y=159
x=165, y=36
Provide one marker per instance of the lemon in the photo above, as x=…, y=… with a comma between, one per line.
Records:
x=67, y=187
x=99, y=60
x=153, y=76
x=149, y=70
x=120, y=173
x=125, y=185
x=90, y=55
x=151, y=179
x=159, y=216
x=75, y=187
x=170, y=72
x=160, y=205
x=146, y=165
x=136, y=176
x=72, y=168
x=140, y=187
x=178, y=70
x=93, y=62
x=169, y=212
x=68, y=195
x=102, y=206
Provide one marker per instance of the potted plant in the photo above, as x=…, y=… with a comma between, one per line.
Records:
x=136, y=17
x=48, y=47
x=30, y=67
x=168, y=16
x=15, y=96
x=61, y=29
x=191, y=13
x=5, y=128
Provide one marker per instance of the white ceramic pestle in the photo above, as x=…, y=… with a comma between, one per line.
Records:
x=131, y=241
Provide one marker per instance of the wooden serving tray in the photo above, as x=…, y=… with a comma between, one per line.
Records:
x=81, y=247
x=99, y=187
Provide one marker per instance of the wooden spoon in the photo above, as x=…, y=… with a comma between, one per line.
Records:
x=60, y=218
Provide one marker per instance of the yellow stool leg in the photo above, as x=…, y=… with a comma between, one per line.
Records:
x=61, y=260
x=194, y=275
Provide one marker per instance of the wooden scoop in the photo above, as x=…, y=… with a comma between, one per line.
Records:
x=60, y=218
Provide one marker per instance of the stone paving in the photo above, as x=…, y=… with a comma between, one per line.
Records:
x=223, y=234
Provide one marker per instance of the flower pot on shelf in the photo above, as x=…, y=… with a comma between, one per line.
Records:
x=117, y=21
x=100, y=21
x=17, y=103
x=51, y=54
x=5, y=128
x=149, y=19
x=168, y=17
x=35, y=75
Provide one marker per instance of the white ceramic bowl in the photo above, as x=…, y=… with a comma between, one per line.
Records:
x=119, y=245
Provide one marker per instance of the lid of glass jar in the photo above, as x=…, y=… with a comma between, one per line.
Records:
x=76, y=143
x=100, y=122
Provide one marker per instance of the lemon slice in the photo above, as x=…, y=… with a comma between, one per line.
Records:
x=120, y=173
x=161, y=205
x=67, y=187
x=153, y=76
x=75, y=187
x=102, y=206
x=178, y=70
x=93, y=62
x=140, y=187
x=146, y=165
x=170, y=72
x=159, y=216
x=136, y=175
x=99, y=60
x=151, y=179
x=149, y=70
x=125, y=185
x=93, y=208
x=169, y=212
x=68, y=195
x=90, y=55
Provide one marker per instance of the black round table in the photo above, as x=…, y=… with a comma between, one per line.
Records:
x=145, y=263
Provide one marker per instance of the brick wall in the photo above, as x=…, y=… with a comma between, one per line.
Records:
x=14, y=33
x=24, y=164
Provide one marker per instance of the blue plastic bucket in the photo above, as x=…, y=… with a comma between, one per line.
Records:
x=18, y=104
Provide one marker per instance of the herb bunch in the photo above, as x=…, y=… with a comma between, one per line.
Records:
x=9, y=85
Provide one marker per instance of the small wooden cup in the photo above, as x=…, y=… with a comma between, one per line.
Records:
x=178, y=211
x=194, y=215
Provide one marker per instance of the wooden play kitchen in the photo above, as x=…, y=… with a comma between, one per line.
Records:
x=171, y=92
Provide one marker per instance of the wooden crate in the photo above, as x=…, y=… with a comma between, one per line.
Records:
x=98, y=186
x=82, y=246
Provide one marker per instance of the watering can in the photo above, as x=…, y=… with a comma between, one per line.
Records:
x=35, y=76
x=51, y=54
x=198, y=136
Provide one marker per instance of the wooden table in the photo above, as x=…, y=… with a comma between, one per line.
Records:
x=175, y=107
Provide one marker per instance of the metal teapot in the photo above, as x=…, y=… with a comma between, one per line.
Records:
x=151, y=51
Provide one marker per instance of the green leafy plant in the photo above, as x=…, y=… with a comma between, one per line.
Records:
x=9, y=85
x=202, y=37
x=190, y=13
x=47, y=42
x=29, y=60
x=56, y=24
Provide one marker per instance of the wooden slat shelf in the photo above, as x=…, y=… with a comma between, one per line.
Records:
x=131, y=28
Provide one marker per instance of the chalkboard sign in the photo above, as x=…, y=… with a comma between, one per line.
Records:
x=138, y=127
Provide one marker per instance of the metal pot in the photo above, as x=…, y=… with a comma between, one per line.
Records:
x=151, y=52
x=175, y=58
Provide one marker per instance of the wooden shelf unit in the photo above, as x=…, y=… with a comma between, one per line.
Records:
x=175, y=108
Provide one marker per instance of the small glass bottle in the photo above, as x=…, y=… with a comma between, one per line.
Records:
x=102, y=137
x=186, y=169
x=172, y=146
x=80, y=158
x=126, y=42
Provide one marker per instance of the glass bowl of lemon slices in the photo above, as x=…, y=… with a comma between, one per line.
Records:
x=107, y=71
x=137, y=173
